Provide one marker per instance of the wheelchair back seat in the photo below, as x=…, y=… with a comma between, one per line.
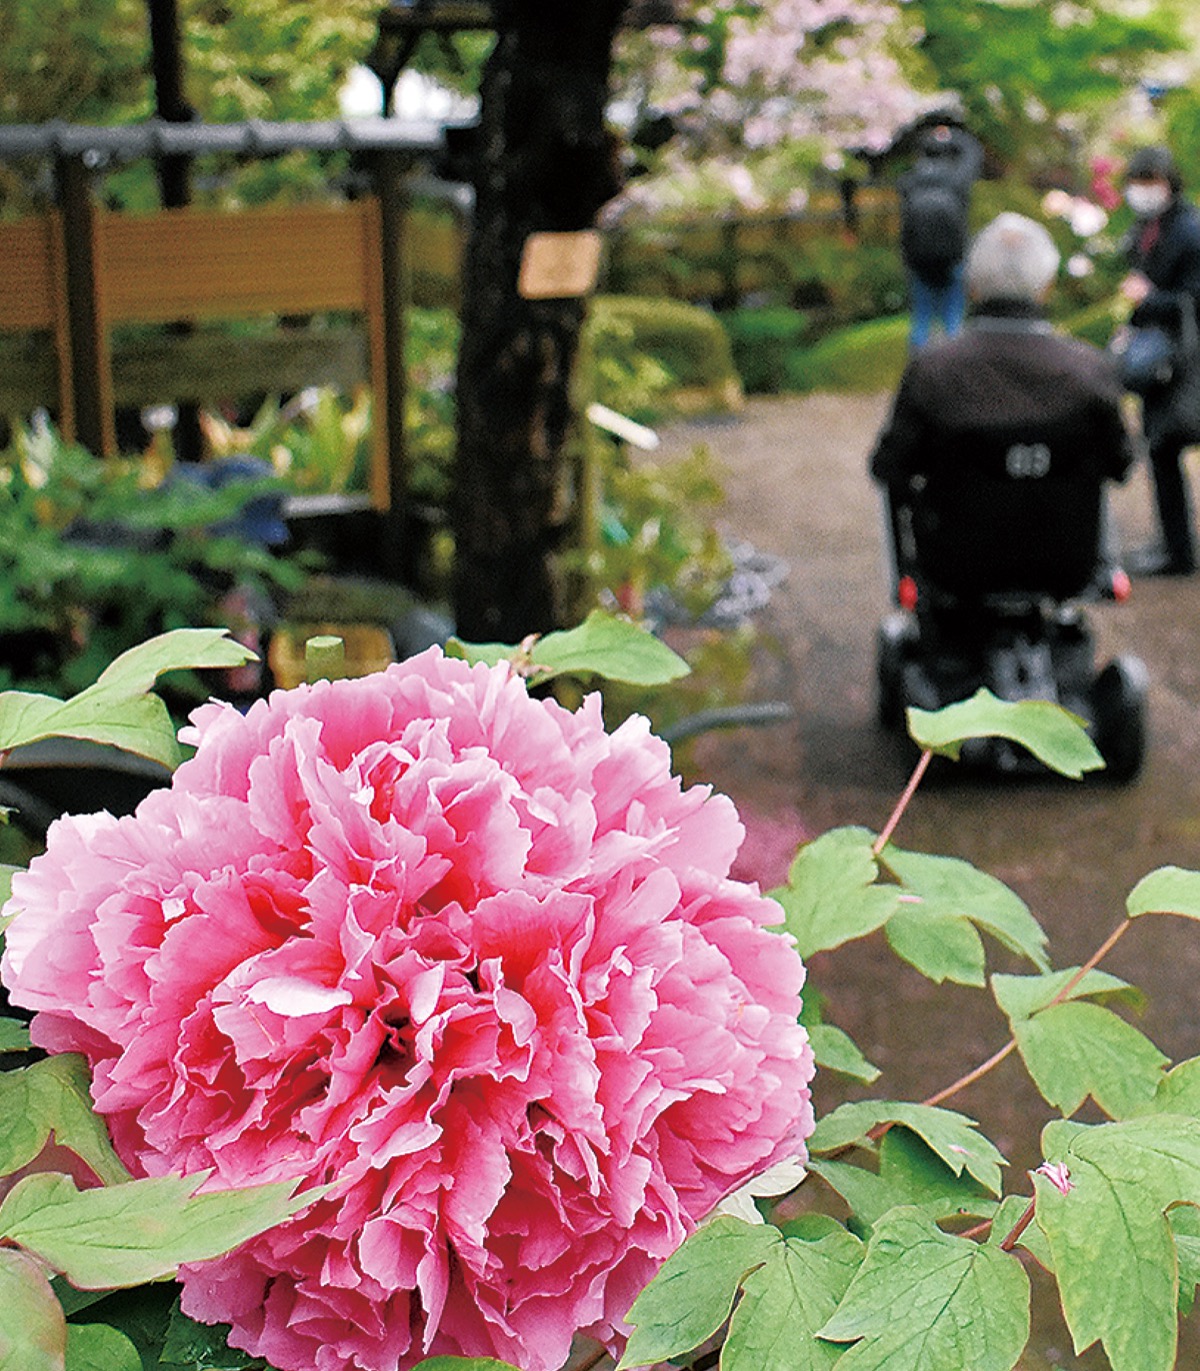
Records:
x=1025, y=533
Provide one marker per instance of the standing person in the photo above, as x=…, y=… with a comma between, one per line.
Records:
x=935, y=198
x=1163, y=285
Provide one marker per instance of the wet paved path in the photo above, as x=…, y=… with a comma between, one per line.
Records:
x=795, y=475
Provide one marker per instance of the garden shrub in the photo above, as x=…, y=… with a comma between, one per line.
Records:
x=856, y=280
x=95, y=557
x=686, y=341
x=864, y=357
x=762, y=340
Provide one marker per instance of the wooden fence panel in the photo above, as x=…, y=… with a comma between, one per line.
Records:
x=28, y=297
x=190, y=264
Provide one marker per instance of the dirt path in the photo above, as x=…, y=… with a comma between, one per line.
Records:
x=795, y=476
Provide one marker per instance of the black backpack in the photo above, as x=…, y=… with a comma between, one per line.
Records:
x=933, y=223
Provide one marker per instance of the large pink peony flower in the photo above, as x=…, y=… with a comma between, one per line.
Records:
x=460, y=952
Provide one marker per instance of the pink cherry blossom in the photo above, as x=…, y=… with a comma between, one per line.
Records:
x=460, y=954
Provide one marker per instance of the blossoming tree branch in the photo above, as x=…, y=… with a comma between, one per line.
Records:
x=419, y=1024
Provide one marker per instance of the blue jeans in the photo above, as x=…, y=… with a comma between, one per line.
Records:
x=944, y=302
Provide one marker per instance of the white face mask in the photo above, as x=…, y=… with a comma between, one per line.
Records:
x=1147, y=198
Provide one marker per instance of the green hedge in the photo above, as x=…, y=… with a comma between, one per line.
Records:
x=653, y=355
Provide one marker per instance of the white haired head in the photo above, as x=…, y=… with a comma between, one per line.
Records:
x=1013, y=258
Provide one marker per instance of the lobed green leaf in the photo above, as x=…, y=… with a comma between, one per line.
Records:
x=51, y=1100
x=831, y=896
x=201, y=1346
x=924, y=1300
x=97, y=1347
x=942, y=947
x=1114, y=1251
x=139, y=1231
x=785, y=1300
x=7, y=872
x=1185, y=1229
x=1054, y=735
x=14, y=1037
x=116, y=709
x=603, y=645
x=33, y=1332
x=835, y=1050
x=1022, y=996
x=910, y=1173
x=954, y=888
x=693, y=1292
x=1179, y=1090
x=1078, y=1049
x=1169, y=890
x=951, y=1136
x=1074, y=1048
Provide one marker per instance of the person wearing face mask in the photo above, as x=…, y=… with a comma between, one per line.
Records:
x=1163, y=286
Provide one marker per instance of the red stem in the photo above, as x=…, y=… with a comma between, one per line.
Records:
x=1018, y=1228
x=902, y=803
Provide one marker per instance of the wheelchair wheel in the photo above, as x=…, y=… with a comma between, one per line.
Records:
x=1119, y=712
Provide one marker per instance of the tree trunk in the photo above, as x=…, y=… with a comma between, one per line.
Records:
x=544, y=163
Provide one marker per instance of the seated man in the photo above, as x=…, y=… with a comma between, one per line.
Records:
x=1000, y=440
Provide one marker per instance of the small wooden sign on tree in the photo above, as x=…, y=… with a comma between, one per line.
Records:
x=559, y=266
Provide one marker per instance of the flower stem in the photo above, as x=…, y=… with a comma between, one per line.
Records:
x=1018, y=1228
x=1093, y=961
x=902, y=803
x=972, y=1076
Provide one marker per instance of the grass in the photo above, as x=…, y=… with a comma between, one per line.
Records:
x=863, y=357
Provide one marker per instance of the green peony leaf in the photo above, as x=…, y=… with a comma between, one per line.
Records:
x=926, y=1301
x=139, y=1231
x=1079, y=1049
x=836, y=1051
x=1021, y=996
x=202, y=1346
x=951, y=1136
x=952, y=887
x=135, y=672
x=693, y=1292
x=137, y=724
x=97, y=1347
x=942, y=947
x=14, y=1037
x=603, y=645
x=33, y=1333
x=785, y=1301
x=464, y=1364
x=1054, y=735
x=1075, y=1048
x=1113, y=1248
x=1185, y=1229
x=52, y=1097
x=116, y=710
x=910, y=1173
x=831, y=896
x=1179, y=1090
x=1169, y=890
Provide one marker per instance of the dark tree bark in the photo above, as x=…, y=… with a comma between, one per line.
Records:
x=544, y=163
